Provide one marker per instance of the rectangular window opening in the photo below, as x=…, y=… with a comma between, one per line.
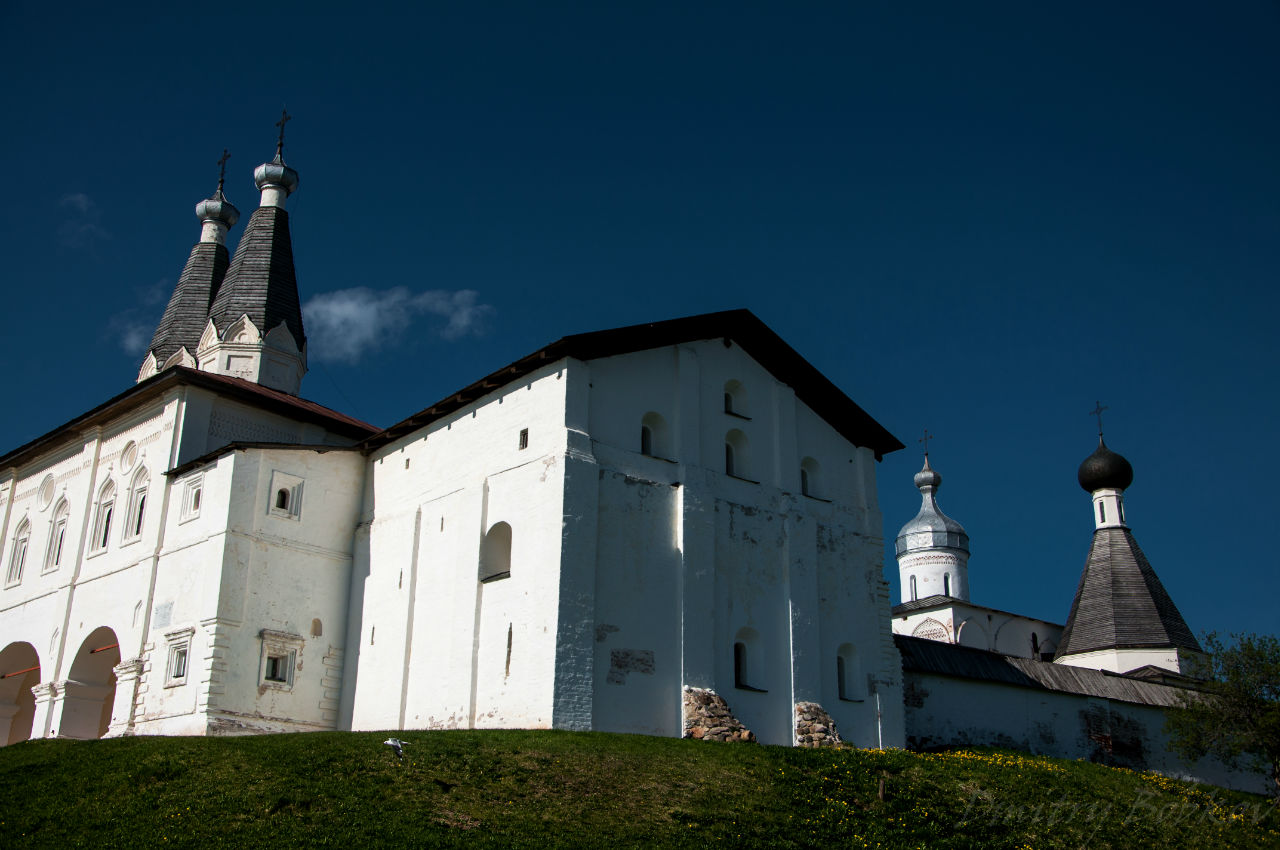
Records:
x=524, y=438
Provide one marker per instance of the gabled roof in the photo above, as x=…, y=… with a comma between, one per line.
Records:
x=187, y=313
x=741, y=326
x=1120, y=602
x=239, y=389
x=261, y=282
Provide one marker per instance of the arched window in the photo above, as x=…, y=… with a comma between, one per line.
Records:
x=810, y=479
x=946, y=584
x=18, y=554
x=748, y=667
x=282, y=499
x=735, y=399
x=913, y=588
x=495, y=553
x=655, y=439
x=137, y=504
x=737, y=460
x=102, y=519
x=850, y=684
x=57, y=535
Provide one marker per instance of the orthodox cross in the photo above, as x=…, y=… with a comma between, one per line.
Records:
x=925, y=439
x=1097, y=411
x=222, y=168
x=284, y=119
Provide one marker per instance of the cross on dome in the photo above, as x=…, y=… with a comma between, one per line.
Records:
x=222, y=168
x=925, y=439
x=1097, y=411
x=285, y=118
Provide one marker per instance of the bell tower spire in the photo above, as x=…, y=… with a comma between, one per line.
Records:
x=254, y=329
x=177, y=335
x=932, y=549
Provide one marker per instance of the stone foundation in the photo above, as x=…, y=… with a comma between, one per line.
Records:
x=814, y=727
x=707, y=718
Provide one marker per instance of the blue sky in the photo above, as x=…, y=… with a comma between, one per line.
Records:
x=975, y=218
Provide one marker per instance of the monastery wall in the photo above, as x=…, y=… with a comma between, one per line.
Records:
x=942, y=711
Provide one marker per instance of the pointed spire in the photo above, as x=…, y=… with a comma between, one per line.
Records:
x=261, y=285
x=178, y=332
x=1121, y=616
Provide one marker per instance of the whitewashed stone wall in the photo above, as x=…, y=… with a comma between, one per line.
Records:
x=942, y=711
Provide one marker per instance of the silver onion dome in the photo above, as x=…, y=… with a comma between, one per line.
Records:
x=218, y=208
x=931, y=528
x=276, y=173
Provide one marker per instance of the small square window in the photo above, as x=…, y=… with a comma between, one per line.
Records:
x=280, y=652
x=524, y=438
x=179, y=661
x=192, y=493
x=286, y=495
x=277, y=668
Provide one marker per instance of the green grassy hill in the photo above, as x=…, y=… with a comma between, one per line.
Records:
x=548, y=789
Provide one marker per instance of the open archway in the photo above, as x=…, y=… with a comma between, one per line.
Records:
x=91, y=687
x=19, y=673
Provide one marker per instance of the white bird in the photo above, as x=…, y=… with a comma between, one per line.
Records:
x=397, y=745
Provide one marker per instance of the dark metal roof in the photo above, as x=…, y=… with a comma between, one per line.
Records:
x=740, y=326
x=1120, y=602
x=185, y=317
x=920, y=655
x=236, y=388
x=260, y=282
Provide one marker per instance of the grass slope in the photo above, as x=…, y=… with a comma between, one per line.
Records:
x=549, y=789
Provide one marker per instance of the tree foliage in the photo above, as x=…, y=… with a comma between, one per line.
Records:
x=1234, y=714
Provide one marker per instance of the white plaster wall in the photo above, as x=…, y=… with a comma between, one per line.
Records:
x=422, y=609
x=1124, y=660
x=984, y=628
x=945, y=711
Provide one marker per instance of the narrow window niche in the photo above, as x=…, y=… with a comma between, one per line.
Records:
x=18, y=554
x=137, y=505
x=495, y=553
x=192, y=495
x=748, y=666
x=655, y=437
x=57, y=536
x=735, y=400
x=850, y=684
x=524, y=438
x=737, y=455
x=280, y=651
x=103, y=516
x=286, y=495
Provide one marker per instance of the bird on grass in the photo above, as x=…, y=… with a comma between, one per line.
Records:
x=397, y=745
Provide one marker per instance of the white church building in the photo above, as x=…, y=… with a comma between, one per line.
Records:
x=669, y=529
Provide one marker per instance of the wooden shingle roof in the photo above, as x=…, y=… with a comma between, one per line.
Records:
x=1120, y=602
x=187, y=313
x=261, y=282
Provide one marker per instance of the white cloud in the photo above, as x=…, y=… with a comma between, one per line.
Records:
x=346, y=324
x=82, y=228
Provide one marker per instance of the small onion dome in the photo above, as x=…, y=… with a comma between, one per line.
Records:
x=276, y=173
x=928, y=477
x=931, y=528
x=218, y=208
x=1104, y=470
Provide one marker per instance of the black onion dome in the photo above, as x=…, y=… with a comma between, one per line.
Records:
x=1104, y=469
